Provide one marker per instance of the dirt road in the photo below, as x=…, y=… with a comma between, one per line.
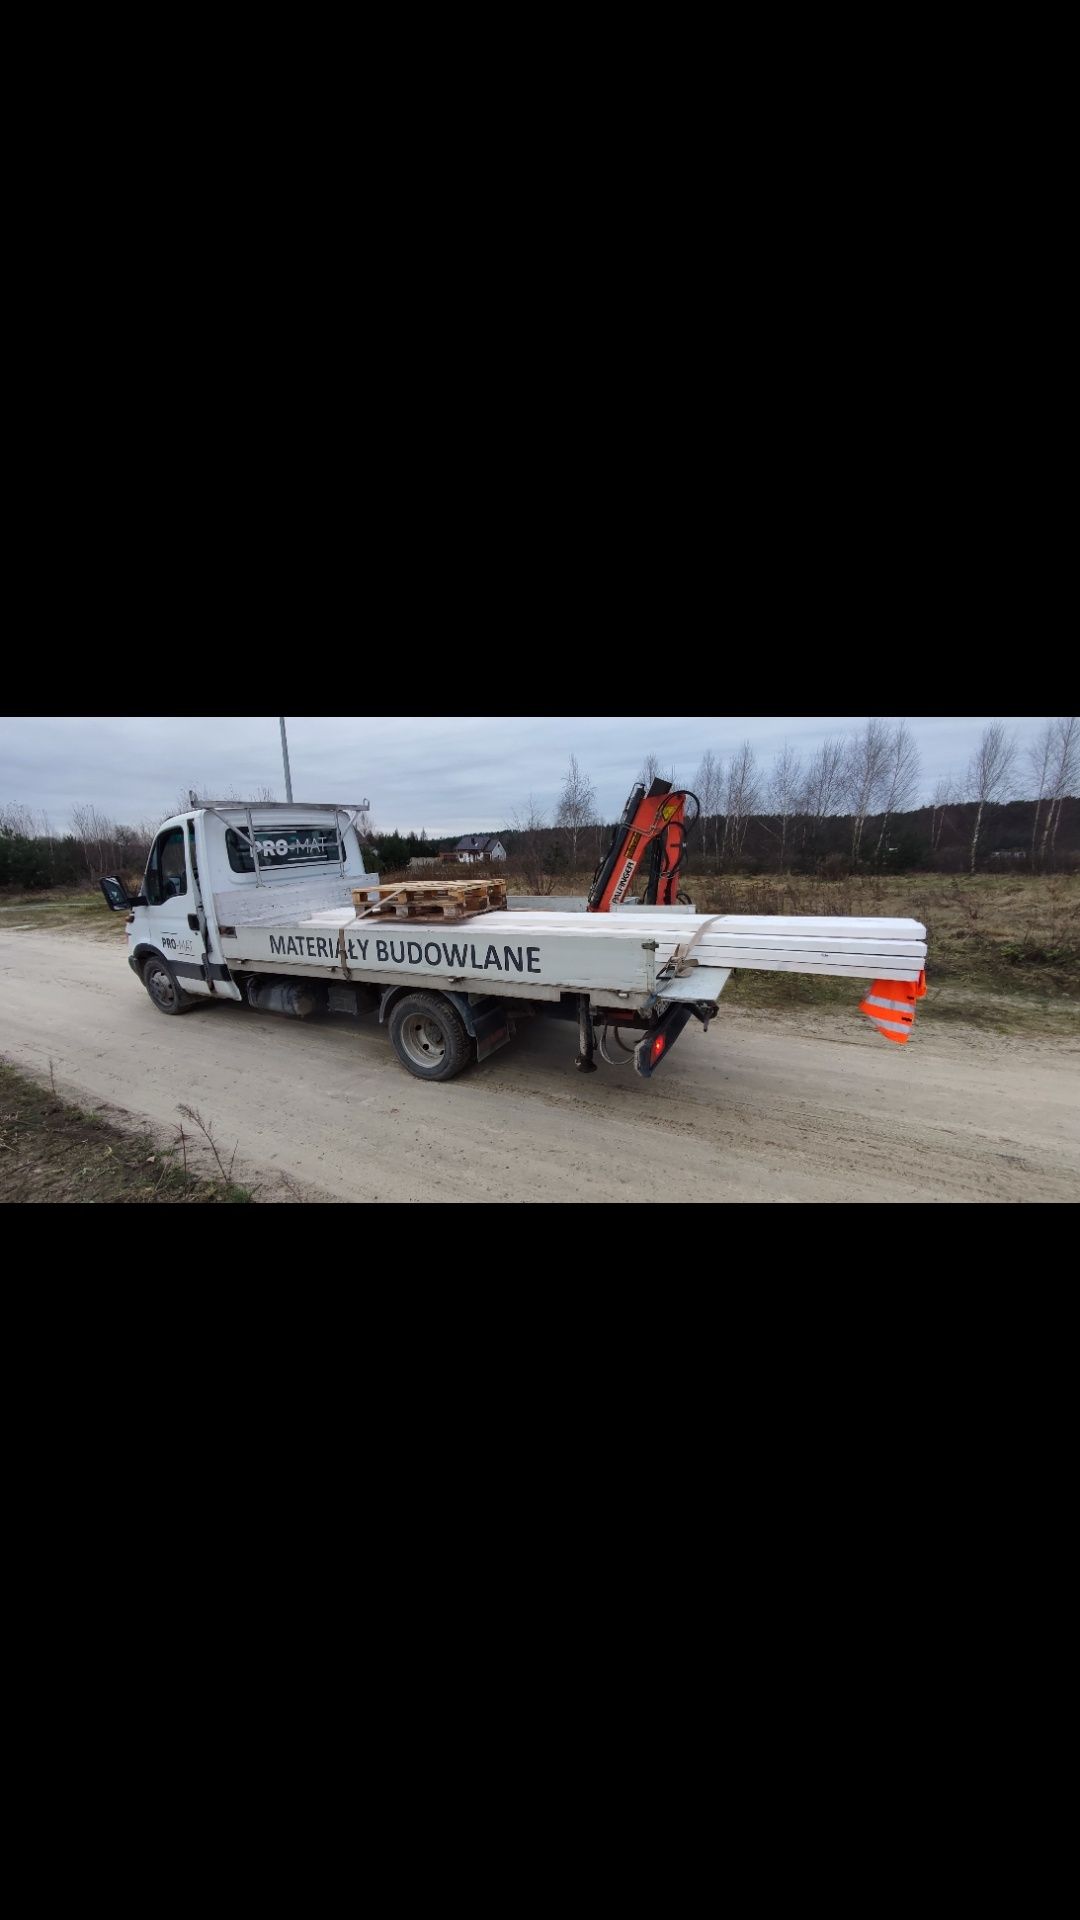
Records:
x=763, y=1107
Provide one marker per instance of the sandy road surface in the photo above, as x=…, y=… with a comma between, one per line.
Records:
x=763, y=1107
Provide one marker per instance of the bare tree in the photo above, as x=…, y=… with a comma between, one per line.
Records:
x=990, y=775
x=1064, y=775
x=96, y=837
x=1040, y=757
x=899, y=778
x=944, y=796
x=742, y=797
x=144, y=837
x=823, y=787
x=652, y=770
x=577, y=806
x=17, y=820
x=708, y=785
x=531, y=823
x=864, y=764
x=784, y=793
x=104, y=845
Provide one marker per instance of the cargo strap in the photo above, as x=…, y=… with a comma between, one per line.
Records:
x=679, y=964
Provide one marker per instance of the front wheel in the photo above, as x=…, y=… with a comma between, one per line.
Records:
x=429, y=1036
x=164, y=988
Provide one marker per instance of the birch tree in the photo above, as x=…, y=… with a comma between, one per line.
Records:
x=784, y=793
x=944, y=796
x=864, y=764
x=1064, y=775
x=899, y=777
x=709, y=787
x=823, y=786
x=742, y=797
x=577, y=806
x=990, y=775
x=1040, y=756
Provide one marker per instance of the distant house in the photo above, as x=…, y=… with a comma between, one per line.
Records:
x=479, y=846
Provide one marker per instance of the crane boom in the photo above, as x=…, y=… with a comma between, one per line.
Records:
x=653, y=823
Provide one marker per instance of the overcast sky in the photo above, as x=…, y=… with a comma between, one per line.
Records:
x=448, y=775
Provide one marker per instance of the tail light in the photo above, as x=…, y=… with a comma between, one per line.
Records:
x=649, y=1053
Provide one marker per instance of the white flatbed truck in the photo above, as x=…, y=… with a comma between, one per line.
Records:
x=256, y=904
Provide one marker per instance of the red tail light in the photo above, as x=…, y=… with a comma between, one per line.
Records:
x=658, y=1046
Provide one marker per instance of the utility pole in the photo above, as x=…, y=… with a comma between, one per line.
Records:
x=285, y=757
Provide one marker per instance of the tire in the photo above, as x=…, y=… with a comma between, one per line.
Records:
x=164, y=988
x=429, y=1036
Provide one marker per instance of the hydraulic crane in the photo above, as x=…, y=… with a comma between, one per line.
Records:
x=655, y=823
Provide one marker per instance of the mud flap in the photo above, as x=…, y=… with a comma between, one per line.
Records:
x=492, y=1030
x=656, y=1045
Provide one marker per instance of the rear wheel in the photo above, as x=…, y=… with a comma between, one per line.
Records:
x=429, y=1036
x=164, y=988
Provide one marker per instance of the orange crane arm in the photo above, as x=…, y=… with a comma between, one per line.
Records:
x=655, y=823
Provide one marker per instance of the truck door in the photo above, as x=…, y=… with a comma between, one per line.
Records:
x=172, y=923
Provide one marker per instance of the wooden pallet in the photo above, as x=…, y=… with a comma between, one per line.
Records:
x=413, y=910
x=439, y=899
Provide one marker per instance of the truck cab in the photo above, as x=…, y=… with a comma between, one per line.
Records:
x=224, y=863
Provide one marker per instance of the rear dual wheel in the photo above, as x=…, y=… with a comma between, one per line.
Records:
x=429, y=1036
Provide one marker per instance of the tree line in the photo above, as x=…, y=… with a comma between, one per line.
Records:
x=849, y=806
x=35, y=854
x=853, y=801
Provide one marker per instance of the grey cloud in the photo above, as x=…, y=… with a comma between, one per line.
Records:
x=448, y=775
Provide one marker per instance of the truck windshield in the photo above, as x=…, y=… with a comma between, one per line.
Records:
x=283, y=847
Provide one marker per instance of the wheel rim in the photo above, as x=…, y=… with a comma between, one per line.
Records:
x=423, y=1040
x=161, y=987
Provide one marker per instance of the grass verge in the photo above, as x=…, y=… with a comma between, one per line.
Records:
x=62, y=910
x=53, y=1151
x=949, y=1004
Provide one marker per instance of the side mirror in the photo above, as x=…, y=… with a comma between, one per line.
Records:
x=117, y=895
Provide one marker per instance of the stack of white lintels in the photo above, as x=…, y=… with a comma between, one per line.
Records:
x=774, y=943
x=872, y=949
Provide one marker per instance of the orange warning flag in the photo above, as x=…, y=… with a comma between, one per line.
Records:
x=890, y=1004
